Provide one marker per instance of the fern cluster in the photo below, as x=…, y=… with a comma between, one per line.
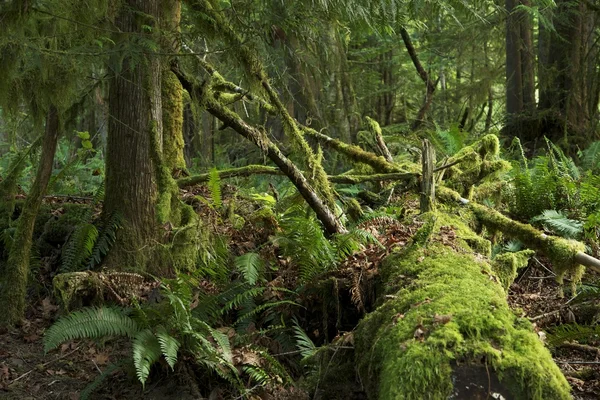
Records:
x=87, y=245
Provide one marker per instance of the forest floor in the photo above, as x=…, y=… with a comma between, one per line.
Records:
x=27, y=373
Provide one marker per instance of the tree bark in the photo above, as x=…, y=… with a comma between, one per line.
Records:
x=13, y=290
x=135, y=127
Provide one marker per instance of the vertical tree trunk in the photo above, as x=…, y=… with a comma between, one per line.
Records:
x=565, y=56
x=514, y=76
x=14, y=287
x=135, y=126
x=172, y=92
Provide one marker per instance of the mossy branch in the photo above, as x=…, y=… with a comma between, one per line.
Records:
x=250, y=170
x=355, y=153
x=566, y=255
x=330, y=221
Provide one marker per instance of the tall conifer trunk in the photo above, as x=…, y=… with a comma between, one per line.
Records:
x=135, y=126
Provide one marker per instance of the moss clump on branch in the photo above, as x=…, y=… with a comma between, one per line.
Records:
x=445, y=316
x=507, y=265
x=477, y=162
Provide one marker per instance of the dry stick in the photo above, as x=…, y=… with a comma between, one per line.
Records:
x=427, y=181
x=44, y=365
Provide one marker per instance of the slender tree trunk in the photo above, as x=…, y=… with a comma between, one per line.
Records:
x=14, y=285
x=135, y=126
x=514, y=75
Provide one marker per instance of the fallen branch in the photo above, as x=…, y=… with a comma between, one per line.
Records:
x=266, y=170
x=330, y=221
x=566, y=255
x=248, y=170
x=355, y=153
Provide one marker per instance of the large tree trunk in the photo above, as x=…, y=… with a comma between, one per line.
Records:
x=567, y=96
x=14, y=284
x=135, y=126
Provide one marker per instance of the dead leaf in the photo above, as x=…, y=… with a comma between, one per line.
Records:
x=101, y=358
x=419, y=334
x=442, y=319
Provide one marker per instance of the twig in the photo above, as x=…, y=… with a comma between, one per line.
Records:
x=44, y=365
x=542, y=316
x=579, y=362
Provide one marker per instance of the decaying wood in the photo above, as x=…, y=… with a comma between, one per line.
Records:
x=427, y=181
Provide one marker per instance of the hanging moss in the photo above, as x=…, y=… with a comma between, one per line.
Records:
x=507, y=265
x=444, y=316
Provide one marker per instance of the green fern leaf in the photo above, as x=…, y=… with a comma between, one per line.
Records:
x=146, y=351
x=89, y=323
x=250, y=266
x=559, y=223
x=214, y=187
x=168, y=345
x=79, y=248
x=304, y=344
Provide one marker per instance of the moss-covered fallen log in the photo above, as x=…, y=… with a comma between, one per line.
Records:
x=445, y=329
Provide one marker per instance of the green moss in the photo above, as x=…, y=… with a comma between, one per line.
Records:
x=507, y=265
x=450, y=313
x=560, y=251
x=479, y=162
x=172, y=108
x=72, y=288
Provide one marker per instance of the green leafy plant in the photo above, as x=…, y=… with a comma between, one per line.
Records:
x=558, y=222
x=87, y=245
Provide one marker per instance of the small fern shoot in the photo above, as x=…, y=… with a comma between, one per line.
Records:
x=214, y=186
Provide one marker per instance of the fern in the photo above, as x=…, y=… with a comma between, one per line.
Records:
x=250, y=266
x=560, y=224
x=590, y=157
x=146, y=351
x=169, y=346
x=214, y=187
x=89, y=323
x=569, y=332
x=306, y=346
x=513, y=246
x=105, y=239
x=79, y=247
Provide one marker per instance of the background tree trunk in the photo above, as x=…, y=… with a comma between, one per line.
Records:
x=14, y=291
